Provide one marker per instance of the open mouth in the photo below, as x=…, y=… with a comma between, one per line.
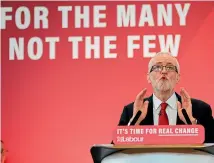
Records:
x=163, y=78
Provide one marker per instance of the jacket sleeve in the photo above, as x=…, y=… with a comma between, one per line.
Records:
x=125, y=117
x=209, y=125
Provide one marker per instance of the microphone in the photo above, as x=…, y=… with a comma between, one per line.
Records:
x=160, y=113
x=135, y=118
x=186, y=116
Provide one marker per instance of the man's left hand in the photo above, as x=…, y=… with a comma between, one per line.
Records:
x=187, y=105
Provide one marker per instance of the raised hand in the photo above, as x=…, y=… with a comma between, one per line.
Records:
x=186, y=104
x=139, y=104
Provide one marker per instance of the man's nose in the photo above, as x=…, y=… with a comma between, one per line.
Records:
x=164, y=70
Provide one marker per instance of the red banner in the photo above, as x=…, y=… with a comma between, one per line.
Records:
x=68, y=68
x=158, y=135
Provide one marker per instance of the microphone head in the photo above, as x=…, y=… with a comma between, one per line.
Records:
x=186, y=116
x=136, y=118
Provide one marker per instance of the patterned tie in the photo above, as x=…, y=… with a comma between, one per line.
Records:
x=163, y=119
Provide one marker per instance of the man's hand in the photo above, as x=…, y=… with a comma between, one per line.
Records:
x=187, y=105
x=139, y=104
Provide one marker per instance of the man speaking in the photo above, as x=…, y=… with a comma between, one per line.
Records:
x=165, y=106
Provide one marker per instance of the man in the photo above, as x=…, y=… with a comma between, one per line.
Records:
x=165, y=106
x=3, y=152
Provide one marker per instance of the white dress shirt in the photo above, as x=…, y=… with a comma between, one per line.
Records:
x=171, y=109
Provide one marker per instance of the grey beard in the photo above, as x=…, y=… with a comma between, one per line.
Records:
x=163, y=86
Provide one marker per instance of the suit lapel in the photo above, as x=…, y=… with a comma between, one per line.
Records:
x=149, y=116
x=179, y=122
x=149, y=120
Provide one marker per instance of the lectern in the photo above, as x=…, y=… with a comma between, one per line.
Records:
x=155, y=144
x=109, y=153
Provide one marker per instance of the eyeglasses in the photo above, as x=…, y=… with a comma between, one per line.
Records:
x=159, y=68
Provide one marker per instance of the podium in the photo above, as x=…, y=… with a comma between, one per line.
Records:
x=109, y=153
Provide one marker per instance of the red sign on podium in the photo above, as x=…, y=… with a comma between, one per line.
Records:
x=159, y=135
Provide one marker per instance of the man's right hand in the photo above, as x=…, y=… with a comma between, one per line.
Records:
x=139, y=104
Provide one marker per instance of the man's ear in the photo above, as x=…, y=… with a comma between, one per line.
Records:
x=178, y=78
x=148, y=78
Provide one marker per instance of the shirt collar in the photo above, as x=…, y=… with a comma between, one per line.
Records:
x=172, y=102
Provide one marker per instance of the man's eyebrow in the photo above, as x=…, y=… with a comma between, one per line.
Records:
x=169, y=63
x=158, y=63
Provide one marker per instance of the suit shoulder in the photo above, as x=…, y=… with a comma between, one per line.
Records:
x=199, y=102
x=201, y=105
x=131, y=105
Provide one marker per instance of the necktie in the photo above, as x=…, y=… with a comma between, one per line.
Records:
x=163, y=119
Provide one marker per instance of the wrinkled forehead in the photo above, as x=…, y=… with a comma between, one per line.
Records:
x=164, y=59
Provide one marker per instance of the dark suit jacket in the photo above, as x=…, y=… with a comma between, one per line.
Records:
x=200, y=110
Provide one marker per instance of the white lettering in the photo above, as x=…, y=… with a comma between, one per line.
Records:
x=98, y=16
x=64, y=10
x=4, y=16
x=126, y=18
x=40, y=14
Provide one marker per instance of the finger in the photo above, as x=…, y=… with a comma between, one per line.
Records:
x=182, y=95
x=144, y=111
x=184, y=99
x=186, y=96
x=141, y=95
x=139, y=100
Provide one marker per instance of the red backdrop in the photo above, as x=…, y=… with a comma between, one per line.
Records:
x=55, y=110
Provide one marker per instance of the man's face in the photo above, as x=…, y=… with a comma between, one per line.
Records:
x=163, y=78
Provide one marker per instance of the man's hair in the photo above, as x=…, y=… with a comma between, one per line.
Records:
x=163, y=53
